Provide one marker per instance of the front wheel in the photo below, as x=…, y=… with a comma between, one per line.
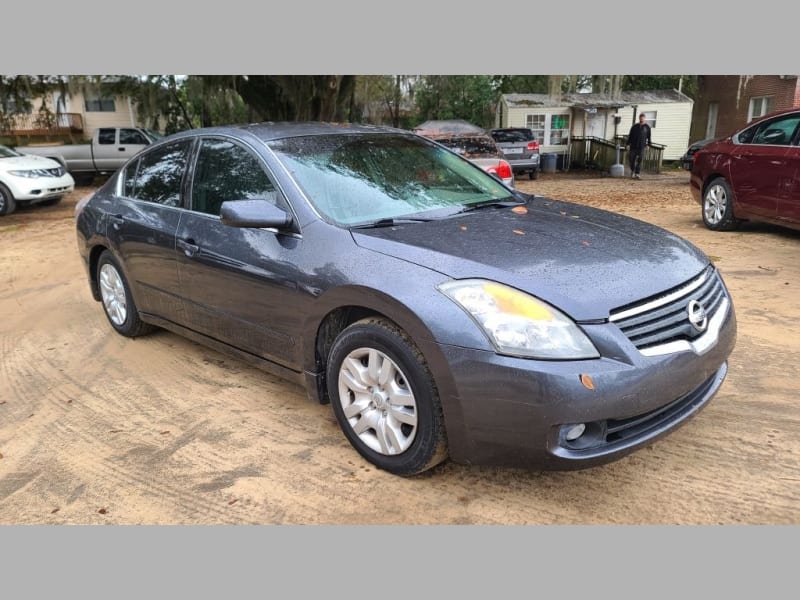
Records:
x=116, y=298
x=7, y=203
x=385, y=399
x=718, y=206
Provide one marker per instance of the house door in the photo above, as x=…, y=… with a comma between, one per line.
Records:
x=596, y=125
x=711, y=126
x=61, y=104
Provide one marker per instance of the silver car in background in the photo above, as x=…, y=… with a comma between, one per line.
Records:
x=520, y=148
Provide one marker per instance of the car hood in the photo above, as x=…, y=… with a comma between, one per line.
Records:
x=27, y=161
x=585, y=261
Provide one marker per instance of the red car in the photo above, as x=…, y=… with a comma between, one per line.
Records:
x=753, y=175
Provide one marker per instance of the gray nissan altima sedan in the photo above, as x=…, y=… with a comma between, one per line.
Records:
x=441, y=313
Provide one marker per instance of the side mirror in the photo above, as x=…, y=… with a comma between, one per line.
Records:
x=253, y=213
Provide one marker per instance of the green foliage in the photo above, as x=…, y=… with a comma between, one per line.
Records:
x=520, y=84
x=469, y=97
x=687, y=83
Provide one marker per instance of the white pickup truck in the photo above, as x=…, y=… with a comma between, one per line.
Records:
x=108, y=150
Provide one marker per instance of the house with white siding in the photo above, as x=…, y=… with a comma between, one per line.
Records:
x=557, y=120
x=76, y=115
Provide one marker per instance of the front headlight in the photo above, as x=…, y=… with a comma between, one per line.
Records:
x=30, y=173
x=519, y=324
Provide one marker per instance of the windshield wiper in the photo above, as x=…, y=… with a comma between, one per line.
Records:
x=390, y=222
x=491, y=204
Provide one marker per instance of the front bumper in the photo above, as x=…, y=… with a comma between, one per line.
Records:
x=516, y=412
x=32, y=190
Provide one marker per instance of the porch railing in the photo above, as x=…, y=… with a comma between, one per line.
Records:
x=42, y=124
x=599, y=154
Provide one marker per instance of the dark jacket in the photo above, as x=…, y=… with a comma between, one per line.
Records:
x=639, y=136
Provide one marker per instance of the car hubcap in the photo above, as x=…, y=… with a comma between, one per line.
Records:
x=113, y=294
x=377, y=401
x=716, y=201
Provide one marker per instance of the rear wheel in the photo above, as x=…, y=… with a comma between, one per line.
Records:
x=534, y=174
x=385, y=399
x=718, y=206
x=116, y=298
x=7, y=203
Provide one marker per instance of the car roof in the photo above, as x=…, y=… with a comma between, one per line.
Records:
x=274, y=130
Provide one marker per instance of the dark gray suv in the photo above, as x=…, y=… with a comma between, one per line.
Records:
x=520, y=148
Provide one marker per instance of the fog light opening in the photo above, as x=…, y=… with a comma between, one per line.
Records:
x=574, y=432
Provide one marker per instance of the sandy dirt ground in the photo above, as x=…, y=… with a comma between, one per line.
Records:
x=97, y=428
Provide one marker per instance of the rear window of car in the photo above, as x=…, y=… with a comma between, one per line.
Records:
x=512, y=135
x=470, y=147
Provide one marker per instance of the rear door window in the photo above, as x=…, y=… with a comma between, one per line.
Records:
x=158, y=175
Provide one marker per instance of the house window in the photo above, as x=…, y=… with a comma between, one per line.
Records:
x=549, y=130
x=16, y=105
x=559, y=130
x=100, y=104
x=759, y=107
x=650, y=117
x=536, y=124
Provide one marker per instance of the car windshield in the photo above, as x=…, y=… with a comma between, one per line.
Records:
x=8, y=152
x=358, y=179
x=505, y=136
x=153, y=135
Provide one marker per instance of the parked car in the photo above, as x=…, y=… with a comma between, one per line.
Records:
x=687, y=160
x=440, y=312
x=520, y=147
x=30, y=180
x=109, y=149
x=752, y=175
x=471, y=142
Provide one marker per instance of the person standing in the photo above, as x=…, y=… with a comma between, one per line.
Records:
x=638, y=140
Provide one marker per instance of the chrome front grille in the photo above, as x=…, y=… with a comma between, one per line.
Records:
x=662, y=322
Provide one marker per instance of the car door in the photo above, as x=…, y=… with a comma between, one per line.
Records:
x=116, y=146
x=142, y=226
x=759, y=165
x=789, y=207
x=239, y=284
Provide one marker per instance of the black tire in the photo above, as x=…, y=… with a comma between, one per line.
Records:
x=112, y=283
x=7, y=203
x=83, y=179
x=717, y=207
x=51, y=201
x=534, y=174
x=418, y=447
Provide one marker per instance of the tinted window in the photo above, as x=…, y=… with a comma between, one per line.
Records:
x=512, y=135
x=777, y=132
x=159, y=175
x=131, y=136
x=129, y=179
x=226, y=171
x=106, y=136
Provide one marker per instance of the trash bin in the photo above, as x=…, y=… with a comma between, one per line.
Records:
x=549, y=163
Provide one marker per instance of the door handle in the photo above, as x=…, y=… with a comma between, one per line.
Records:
x=188, y=246
x=117, y=221
x=121, y=149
